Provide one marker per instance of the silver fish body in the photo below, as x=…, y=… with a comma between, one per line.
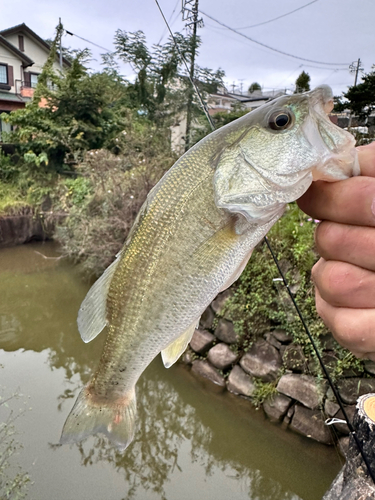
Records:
x=192, y=239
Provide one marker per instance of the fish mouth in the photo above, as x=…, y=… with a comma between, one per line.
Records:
x=323, y=96
x=336, y=147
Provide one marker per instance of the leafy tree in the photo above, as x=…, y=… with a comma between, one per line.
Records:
x=74, y=111
x=254, y=86
x=155, y=68
x=302, y=83
x=161, y=84
x=69, y=114
x=360, y=99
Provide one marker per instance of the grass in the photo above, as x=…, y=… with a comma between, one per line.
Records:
x=11, y=199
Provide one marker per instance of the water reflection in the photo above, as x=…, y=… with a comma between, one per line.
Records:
x=172, y=417
x=190, y=441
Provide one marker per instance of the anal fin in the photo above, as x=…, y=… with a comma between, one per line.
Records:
x=171, y=353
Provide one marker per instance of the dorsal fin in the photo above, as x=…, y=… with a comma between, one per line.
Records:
x=171, y=353
x=92, y=313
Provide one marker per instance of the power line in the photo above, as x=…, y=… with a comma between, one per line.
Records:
x=279, y=17
x=272, y=48
x=291, y=74
x=88, y=41
x=320, y=67
x=204, y=107
x=329, y=76
x=216, y=29
x=96, y=45
x=169, y=21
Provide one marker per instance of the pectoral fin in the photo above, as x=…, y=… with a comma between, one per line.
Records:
x=171, y=353
x=237, y=273
x=92, y=313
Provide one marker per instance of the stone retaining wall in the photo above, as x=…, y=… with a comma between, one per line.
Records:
x=302, y=400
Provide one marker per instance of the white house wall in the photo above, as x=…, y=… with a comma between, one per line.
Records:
x=8, y=57
x=33, y=50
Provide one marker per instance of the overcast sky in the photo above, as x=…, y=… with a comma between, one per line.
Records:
x=326, y=31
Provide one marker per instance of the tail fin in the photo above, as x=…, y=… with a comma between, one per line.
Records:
x=115, y=420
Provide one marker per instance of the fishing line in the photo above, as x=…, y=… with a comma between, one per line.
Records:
x=325, y=371
x=283, y=277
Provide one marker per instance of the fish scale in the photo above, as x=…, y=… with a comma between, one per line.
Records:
x=158, y=228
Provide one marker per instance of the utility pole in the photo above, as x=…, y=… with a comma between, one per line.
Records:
x=355, y=67
x=190, y=14
x=61, y=34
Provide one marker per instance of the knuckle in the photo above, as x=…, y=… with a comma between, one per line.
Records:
x=315, y=271
x=330, y=279
x=335, y=282
x=329, y=238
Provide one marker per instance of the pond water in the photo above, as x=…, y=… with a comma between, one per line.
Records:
x=191, y=442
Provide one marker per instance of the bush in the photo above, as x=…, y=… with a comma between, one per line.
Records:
x=104, y=200
x=12, y=485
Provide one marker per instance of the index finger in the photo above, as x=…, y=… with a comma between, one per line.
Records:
x=366, y=157
x=351, y=201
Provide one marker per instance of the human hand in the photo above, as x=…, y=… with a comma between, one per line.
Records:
x=344, y=277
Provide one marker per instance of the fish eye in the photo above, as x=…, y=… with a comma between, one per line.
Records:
x=281, y=120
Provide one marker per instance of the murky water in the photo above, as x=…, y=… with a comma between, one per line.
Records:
x=191, y=443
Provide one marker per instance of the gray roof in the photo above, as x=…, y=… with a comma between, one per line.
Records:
x=6, y=96
x=22, y=28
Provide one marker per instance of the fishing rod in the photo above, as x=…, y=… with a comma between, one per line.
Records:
x=284, y=279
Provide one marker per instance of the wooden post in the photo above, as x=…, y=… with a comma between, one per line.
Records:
x=354, y=481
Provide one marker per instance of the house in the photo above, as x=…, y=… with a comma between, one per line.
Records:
x=225, y=101
x=22, y=56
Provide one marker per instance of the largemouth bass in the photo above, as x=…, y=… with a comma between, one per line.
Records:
x=192, y=239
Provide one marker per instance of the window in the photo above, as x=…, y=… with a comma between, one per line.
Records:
x=4, y=74
x=33, y=80
x=20, y=43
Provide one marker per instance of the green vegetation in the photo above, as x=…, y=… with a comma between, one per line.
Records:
x=13, y=485
x=302, y=83
x=360, y=99
x=105, y=198
x=259, y=302
x=254, y=86
x=263, y=391
x=76, y=112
